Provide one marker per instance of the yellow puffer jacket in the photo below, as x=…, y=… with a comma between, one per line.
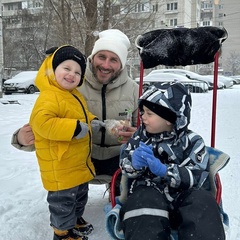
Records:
x=64, y=161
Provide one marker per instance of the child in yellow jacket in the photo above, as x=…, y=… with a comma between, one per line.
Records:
x=62, y=126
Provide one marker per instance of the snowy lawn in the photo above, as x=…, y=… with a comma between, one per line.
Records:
x=23, y=208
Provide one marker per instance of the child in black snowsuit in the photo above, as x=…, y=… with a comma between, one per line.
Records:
x=167, y=164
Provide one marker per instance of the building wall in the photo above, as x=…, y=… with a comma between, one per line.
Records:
x=231, y=21
x=188, y=14
x=225, y=14
x=11, y=7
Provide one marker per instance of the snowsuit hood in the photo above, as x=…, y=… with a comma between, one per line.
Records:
x=170, y=96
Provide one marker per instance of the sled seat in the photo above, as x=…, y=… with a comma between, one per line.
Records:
x=217, y=161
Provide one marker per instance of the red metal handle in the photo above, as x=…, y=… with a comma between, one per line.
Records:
x=112, y=187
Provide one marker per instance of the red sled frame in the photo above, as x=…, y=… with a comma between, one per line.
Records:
x=213, y=132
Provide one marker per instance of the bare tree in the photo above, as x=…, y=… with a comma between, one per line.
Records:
x=73, y=22
x=106, y=14
x=25, y=55
x=91, y=14
x=61, y=21
x=233, y=63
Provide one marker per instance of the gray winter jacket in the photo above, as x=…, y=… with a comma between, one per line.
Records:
x=111, y=101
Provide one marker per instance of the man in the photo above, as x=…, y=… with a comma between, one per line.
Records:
x=110, y=94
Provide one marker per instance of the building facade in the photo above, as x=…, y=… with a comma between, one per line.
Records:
x=225, y=13
x=135, y=17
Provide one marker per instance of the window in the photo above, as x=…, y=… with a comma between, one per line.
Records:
x=135, y=8
x=173, y=22
x=206, y=23
x=155, y=7
x=10, y=7
x=220, y=6
x=206, y=5
x=172, y=6
x=24, y=5
x=36, y=4
x=142, y=7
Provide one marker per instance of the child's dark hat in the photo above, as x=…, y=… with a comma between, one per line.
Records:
x=160, y=110
x=68, y=53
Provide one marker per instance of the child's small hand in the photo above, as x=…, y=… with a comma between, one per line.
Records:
x=146, y=148
x=97, y=125
x=155, y=165
x=138, y=160
x=84, y=130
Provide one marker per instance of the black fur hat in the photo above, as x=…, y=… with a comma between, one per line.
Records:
x=68, y=53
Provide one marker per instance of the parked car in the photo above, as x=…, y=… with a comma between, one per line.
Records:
x=23, y=82
x=236, y=79
x=191, y=75
x=227, y=81
x=220, y=84
x=193, y=85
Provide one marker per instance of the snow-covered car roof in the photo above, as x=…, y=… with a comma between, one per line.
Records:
x=22, y=77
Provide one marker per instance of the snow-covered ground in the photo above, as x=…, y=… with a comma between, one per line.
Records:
x=23, y=208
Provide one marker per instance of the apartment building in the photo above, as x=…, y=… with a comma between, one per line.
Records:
x=158, y=14
x=199, y=13
x=12, y=21
x=139, y=16
x=224, y=13
x=10, y=7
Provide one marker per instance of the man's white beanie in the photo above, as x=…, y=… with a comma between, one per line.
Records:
x=115, y=41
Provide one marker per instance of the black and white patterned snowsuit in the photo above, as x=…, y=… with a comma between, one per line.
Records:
x=157, y=205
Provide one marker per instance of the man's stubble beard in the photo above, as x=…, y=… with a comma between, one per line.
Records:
x=111, y=79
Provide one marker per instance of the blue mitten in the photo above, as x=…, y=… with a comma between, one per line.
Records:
x=155, y=165
x=138, y=161
x=146, y=148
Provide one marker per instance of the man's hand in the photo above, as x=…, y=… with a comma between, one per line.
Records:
x=126, y=133
x=25, y=135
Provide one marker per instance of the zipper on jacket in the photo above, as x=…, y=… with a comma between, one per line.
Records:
x=103, y=114
x=82, y=108
x=90, y=137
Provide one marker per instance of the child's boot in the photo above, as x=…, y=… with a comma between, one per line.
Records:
x=82, y=227
x=67, y=235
